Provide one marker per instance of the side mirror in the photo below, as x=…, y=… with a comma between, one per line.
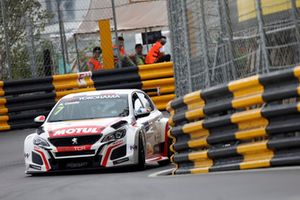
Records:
x=40, y=119
x=142, y=112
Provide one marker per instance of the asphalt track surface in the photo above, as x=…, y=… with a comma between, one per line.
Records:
x=276, y=183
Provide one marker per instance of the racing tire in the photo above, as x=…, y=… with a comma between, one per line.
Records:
x=141, y=155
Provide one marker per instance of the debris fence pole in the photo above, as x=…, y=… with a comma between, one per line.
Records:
x=61, y=35
x=116, y=33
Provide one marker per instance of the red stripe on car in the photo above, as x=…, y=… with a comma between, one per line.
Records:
x=153, y=158
x=104, y=162
x=44, y=159
x=166, y=146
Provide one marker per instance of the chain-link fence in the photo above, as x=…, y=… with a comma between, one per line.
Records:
x=224, y=40
x=37, y=37
x=44, y=37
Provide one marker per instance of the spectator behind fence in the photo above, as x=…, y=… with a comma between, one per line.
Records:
x=139, y=57
x=156, y=53
x=94, y=64
x=125, y=60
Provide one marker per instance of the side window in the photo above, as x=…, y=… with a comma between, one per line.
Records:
x=146, y=101
x=137, y=104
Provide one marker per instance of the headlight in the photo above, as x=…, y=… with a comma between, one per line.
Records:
x=40, y=142
x=118, y=134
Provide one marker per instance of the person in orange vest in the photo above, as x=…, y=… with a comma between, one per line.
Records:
x=121, y=45
x=156, y=53
x=94, y=64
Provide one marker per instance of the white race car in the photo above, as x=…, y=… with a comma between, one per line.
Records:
x=108, y=128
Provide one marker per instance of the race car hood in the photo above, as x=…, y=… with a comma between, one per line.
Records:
x=79, y=127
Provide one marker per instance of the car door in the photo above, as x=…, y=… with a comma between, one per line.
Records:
x=153, y=137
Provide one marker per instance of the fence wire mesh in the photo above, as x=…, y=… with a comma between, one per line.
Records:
x=44, y=37
x=37, y=37
x=226, y=40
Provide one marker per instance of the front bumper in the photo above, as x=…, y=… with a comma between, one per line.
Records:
x=115, y=154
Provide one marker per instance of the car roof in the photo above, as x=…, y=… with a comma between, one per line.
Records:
x=99, y=92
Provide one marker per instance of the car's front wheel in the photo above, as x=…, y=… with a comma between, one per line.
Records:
x=141, y=154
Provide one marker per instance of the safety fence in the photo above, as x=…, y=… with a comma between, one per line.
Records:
x=248, y=123
x=22, y=100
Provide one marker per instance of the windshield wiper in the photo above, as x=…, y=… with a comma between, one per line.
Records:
x=124, y=113
x=62, y=120
x=57, y=120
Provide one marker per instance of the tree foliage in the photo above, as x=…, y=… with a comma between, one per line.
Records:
x=19, y=14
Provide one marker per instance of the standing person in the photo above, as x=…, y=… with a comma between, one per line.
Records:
x=94, y=64
x=121, y=45
x=121, y=48
x=125, y=60
x=139, y=56
x=156, y=53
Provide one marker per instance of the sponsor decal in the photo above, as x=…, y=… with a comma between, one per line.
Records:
x=81, y=78
x=74, y=148
x=26, y=155
x=120, y=161
x=102, y=96
x=35, y=167
x=71, y=103
x=146, y=126
x=75, y=131
x=117, y=142
x=133, y=147
x=77, y=165
x=134, y=124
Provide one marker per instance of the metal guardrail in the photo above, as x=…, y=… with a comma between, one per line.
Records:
x=249, y=123
x=22, y=100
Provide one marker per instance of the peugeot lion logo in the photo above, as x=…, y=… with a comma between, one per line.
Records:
x=74, y=141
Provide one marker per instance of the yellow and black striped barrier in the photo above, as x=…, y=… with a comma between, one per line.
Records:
x=249, y=123
x=22, y=100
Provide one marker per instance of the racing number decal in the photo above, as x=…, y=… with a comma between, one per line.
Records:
x=59, y=108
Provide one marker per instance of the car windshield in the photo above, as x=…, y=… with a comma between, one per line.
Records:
x=90, y=107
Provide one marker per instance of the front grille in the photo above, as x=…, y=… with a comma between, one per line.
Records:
x=68, y=141
x=75, y=153
x=71, y=163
